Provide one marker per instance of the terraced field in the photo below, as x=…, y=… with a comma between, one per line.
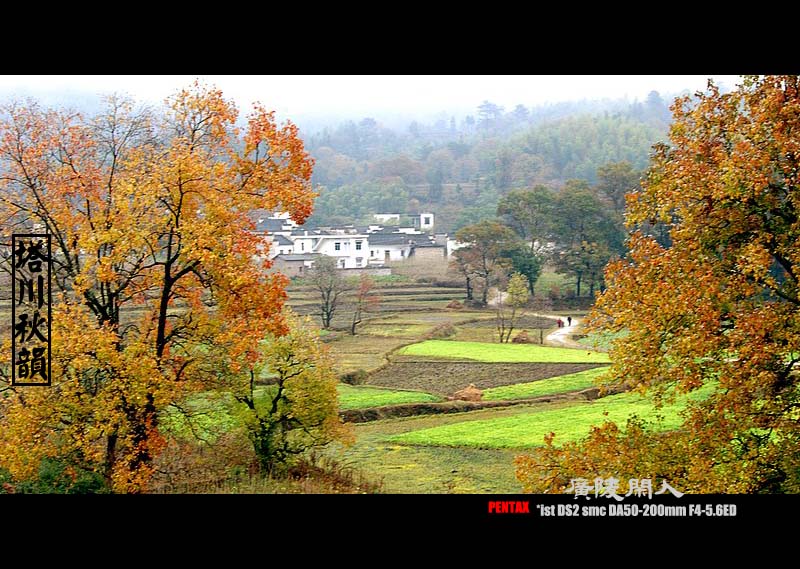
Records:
x=359, y=397
x=486, y=352
x=444, y=378
x=394, y=298
x=416, y=353
x=570, y=423
x=554, y=385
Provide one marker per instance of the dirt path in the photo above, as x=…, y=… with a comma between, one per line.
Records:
x=561, y=337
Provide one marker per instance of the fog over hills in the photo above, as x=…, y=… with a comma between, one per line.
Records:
x=314, y=102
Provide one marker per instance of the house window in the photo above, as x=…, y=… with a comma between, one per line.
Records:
x=358, y=245
x=426, y=220
x=337, y=246
x=372, y=253
x=302, y=246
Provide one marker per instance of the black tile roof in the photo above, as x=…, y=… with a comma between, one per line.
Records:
x=297, y=257
x=281, y=240
x=387, y=239
x=270, y=225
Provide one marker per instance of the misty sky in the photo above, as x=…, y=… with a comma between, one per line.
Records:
x=361, y=95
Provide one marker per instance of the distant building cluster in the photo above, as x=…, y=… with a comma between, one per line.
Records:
x=293, y=249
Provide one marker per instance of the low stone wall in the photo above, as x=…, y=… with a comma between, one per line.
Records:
x=371, y=271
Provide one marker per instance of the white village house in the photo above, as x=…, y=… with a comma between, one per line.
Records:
x=293, y=249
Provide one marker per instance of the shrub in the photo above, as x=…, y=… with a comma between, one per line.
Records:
x=358, y=377
x=448, y=283
x=54, y=477
x=189, y=464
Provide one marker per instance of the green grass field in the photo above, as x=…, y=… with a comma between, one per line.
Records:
x=206, y=416
x=497, y=353
x=550, y=386
x=430, y=470
x=601, y=340
x=360, y=397
x=569, y=423
x=408, y=469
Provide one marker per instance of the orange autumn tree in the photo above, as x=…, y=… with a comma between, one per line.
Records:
x=154, y=262
x=718, y=305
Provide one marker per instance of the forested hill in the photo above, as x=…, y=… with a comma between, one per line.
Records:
x=460, y=167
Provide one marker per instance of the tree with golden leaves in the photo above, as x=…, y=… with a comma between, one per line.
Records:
x=154, y=262
x=509, y=306
x=719, y=307
x=299, y=410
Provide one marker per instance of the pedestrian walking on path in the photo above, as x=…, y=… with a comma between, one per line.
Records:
x=569, y=320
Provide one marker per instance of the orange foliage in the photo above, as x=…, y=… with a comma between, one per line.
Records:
x=154, y=260
x=719, y=304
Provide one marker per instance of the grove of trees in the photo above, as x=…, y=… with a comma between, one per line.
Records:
x=462, y=169
x=576, y=229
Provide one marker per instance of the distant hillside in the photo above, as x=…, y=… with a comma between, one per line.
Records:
x=459, y=169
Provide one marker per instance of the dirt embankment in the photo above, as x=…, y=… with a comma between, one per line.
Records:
x=529, y=321
x=413, y=409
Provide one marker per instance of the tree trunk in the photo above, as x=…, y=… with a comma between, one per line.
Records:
x=510, y=325
x=111, y=457
x=163, y=305
x=501, y=325
x=141, y=426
